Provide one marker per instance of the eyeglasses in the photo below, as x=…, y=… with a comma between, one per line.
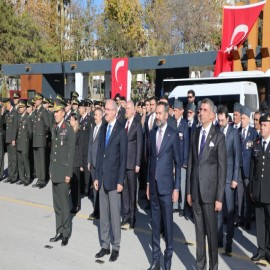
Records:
x=189, y=97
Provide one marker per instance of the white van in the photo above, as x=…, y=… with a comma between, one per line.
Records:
x=228, y=93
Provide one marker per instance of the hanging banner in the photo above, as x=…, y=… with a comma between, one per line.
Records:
x=119, y=77
x=237, y=23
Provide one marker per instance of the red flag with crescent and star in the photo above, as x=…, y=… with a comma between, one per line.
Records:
x=119, y=76
x=237, y=23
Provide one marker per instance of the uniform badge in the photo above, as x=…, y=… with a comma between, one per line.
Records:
x=181, y=136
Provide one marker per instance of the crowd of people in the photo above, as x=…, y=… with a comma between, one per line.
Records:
x=194, y=160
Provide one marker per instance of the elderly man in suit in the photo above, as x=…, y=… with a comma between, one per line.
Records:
x=206, y=176
x=163, y=185
x=109, y=180
x=92, y=158
x=61, y=169
x=260, y=188
x=134, y=132
x=233, y=169
x=248, y=135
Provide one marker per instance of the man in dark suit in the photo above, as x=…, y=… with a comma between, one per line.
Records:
x=41, y=127
x=163, y=186
x=191, y=101
x=134, y=132
x=86, y=124
x=11, y=121
x=183, y=132
x=233, y=169
x=22, y=141
x=121, y=111
x=92, y=158
x=110, y=176
x=206, y=176
x=61, y=169
x=248, y=136
x=260, y=188
x=191, y=113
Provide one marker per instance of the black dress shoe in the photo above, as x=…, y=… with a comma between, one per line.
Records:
x=114, y=255
x=27, y=184
x=257, y=257
x=13, y=181
x=181, y=213
x=154, y=267
x=19, y=182
x=102, y=253
x=41, y=186
x=75, y=210
x=93, y=216
x=228, y=248
x=35, y=185
x=6, y=181
x=125, y=225
x=64, y=241
x=132, y=225
x=58, y=237
x=175, y=210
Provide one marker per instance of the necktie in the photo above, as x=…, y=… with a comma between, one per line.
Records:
x=159, y=140
x=264, y=146
x=127, y=127
x=95, y=132
x=202, y=142
x=235, y=126
x=56, y=130
x=108, y=134
x=244, y=134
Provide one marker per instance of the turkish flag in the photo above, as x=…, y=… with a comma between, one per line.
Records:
x=119, y=76
x=237, y=23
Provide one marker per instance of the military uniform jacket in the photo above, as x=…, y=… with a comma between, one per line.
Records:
x=259, y=173
x=24, y=132
x=11, y=125
x=62, y=152
x=85, y=128
x=41, y=127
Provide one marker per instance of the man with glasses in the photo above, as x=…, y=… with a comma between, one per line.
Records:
x=109, y=180
x=190, y=100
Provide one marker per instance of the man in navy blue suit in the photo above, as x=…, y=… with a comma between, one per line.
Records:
x=163, y=185
x=248, y=135
x=183, y=132
x=233, y=146
x=109, y=180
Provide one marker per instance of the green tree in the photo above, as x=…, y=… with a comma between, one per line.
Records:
x=119, y=31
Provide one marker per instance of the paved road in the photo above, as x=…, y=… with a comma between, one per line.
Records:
x=27, y=222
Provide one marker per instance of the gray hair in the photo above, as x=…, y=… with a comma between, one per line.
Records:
x=113, y=103
x=210, y=103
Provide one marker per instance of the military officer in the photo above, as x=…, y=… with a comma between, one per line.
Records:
x=86, y=123
x=11, y=121
x=74, y=95
x=74, y=106
x=41, y=126
x=2, y=152
x=16, y=98
x=68, y=110
x=260, y=188
x=61, y=169
x=23, y=138
x=30, y=109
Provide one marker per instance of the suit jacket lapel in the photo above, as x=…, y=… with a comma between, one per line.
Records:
x=131, y=127
x=197, y=137
x=207, y=142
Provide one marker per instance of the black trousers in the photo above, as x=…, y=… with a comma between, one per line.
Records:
x=205, y=220
x=75, y=188
x=129, y=196
x=263, y=227
x=12, y=163
x=40, y=164
x=229, y=205
x=95, y=193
